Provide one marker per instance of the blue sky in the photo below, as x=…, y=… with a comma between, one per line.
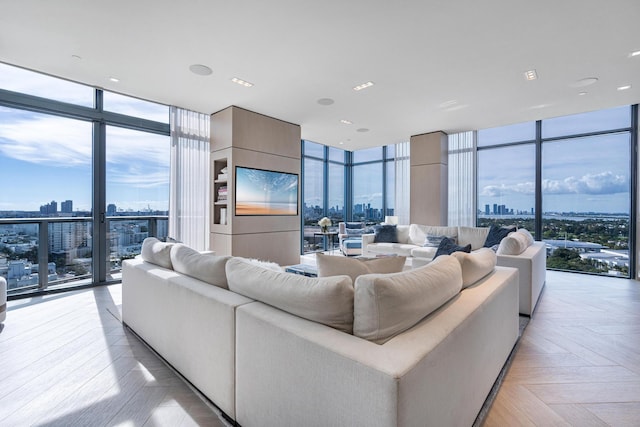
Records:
x=45, y=158
x=578, y=175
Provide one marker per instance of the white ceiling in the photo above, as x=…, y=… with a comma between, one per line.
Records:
x=437, y=65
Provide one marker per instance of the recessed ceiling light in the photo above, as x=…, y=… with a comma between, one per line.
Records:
x=582, y=93
x=241, y=82
x=531, y=75
x=362, y=130
x=325, y=101
x=587, y=81
x=635, y=53
x=363, y=86
x=76, y=57
x=625, y=87
x=539, y=106
x=114, y=79
x=346, y=122
x=341, y=143
x=201, y=70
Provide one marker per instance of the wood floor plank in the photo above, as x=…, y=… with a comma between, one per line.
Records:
x=66, y=360
x=578, y=415
x=617, y=414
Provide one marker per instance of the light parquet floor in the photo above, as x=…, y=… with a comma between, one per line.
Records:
x=578, y=362
x=65, y=360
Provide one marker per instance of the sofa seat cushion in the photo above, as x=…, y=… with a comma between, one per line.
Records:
x=157, y=252
x=388, y=304
x=476, y=265
x=424, y=252
x=329, y=265
x=402, y=249
x=206, y=267
x=326, y=300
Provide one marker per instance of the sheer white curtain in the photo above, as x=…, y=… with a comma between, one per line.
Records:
x=403, y=177
x=462, y=175
x=189, y=194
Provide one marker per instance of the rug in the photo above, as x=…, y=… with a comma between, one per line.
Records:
x=484, y=411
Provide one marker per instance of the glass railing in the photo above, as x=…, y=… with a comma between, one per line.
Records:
x=54, y=253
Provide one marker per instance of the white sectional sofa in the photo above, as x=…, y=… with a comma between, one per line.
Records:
x=516, y=251
x=295, y=350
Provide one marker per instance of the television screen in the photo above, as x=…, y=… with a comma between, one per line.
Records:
x=264, y=192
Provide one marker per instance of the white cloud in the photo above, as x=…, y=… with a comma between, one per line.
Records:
x=47, y=139
x=601, y=183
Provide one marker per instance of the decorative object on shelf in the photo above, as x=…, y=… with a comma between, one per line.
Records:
x=324, y=224
x=223, y=216
x=222, y=176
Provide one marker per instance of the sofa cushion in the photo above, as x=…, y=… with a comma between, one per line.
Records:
x=514, y=244
x=424, y=252
x=402, y=249
x=205, y=267
x=418, y=233
x=354, y=225
x=157, y=252
x=385, y=233
x=329, y=265
x=448, y=246
x=388, y=304
x=496, y=234
x=476, y=236
x=527, y=234
x=475, y=265
x=433, y=240
x=326, y=300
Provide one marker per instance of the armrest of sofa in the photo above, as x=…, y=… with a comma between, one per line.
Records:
x=532, y=265
x=366, y=240
x=420, y=377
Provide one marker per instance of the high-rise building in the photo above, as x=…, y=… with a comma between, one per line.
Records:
x=111, y=209
x=486, y=210
x=66, y=206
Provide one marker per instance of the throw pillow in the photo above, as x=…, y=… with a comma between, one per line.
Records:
x=496, y=234
x=326, y=300
x=388, y=304
x=475, y=265
x=432, y=241
x=448, y=246
x=527, y=234
x=329, y=265
x=206, y=267
x=353, y=225
x=156, y=252
x=513, y=244
x=385, y=233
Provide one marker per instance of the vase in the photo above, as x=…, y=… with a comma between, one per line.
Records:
x=324, y=229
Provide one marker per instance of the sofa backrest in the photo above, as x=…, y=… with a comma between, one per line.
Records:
x=418, y=233
x=403, y=233
x=475, y=236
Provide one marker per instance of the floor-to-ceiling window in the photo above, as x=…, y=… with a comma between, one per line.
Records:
x=85, y=179
x=577, y=169
x=345, y=186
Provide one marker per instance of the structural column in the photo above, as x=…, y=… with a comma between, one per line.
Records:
x=429, y=179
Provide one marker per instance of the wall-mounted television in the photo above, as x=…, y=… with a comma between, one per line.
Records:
x=265, y=192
